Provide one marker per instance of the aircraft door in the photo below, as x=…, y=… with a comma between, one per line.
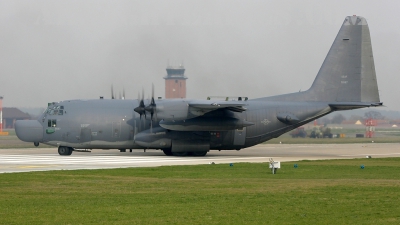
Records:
x=239, y=137
x=116, y=129
x=86, y=135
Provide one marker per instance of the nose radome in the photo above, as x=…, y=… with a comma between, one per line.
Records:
x=29, y=130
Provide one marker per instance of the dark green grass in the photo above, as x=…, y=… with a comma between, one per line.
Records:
x=319, y=192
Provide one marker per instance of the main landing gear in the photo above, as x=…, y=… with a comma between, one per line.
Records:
x=62, y=150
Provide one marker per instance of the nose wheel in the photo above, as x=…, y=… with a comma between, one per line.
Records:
x=62, y=150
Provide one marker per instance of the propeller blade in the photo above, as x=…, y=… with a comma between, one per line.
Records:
x=152, y=106
x=112, y=91
x=141, y=109
x=152, y=91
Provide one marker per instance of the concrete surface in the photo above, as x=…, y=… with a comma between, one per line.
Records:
x=42, y=159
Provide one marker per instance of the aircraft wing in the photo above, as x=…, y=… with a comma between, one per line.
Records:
x=193, y=121
x=209, y=105
x=182, y=109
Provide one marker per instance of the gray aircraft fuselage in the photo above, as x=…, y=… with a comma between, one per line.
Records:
x=112, y=124
x=346, y=80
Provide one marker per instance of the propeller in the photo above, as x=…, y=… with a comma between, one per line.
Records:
x=141, y=109
x=151, y=108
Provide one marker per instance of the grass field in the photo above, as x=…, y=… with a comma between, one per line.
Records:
x=317, y=192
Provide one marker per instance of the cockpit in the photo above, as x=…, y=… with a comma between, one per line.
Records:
x=55, y=110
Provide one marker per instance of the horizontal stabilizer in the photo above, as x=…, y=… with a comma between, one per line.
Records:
x=352, y=105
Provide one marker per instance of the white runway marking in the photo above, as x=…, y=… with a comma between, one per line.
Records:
x=40, y=162
x=46, y=159
x=388, y=154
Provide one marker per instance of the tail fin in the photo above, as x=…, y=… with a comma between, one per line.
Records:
x=347, y=75
x=348, y=72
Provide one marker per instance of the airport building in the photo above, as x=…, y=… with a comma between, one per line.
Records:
x=175, y=82
x=10, y=115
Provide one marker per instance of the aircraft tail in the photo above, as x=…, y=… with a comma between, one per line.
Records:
x=347, y=74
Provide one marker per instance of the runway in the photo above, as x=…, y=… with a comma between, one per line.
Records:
x=43, y=159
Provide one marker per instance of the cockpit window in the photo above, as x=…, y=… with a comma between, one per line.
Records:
x=55, y=110
x=51, y=123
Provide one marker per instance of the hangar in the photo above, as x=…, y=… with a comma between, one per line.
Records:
x=10, y=115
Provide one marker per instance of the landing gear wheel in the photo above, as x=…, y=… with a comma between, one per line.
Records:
x=167, y=152
x=70, y=150
x=199, y=153
x=122, y=150
x=62, y=150
x=180, y=153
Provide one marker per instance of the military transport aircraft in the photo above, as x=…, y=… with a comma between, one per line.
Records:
x=181, y=127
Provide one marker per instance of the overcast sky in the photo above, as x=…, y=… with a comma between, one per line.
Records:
x=59, y=50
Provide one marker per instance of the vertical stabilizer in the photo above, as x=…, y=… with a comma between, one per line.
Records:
x=348, y=71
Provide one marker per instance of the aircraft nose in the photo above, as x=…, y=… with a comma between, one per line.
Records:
x=29, y=130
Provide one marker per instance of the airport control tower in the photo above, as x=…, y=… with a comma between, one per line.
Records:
x=175, y=82
x=2, y=133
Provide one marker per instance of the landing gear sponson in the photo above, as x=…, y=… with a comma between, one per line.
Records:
x=63, y=150
x=169, y=153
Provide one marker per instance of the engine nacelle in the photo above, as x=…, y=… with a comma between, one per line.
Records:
x=177, y=109
x=155, y=139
